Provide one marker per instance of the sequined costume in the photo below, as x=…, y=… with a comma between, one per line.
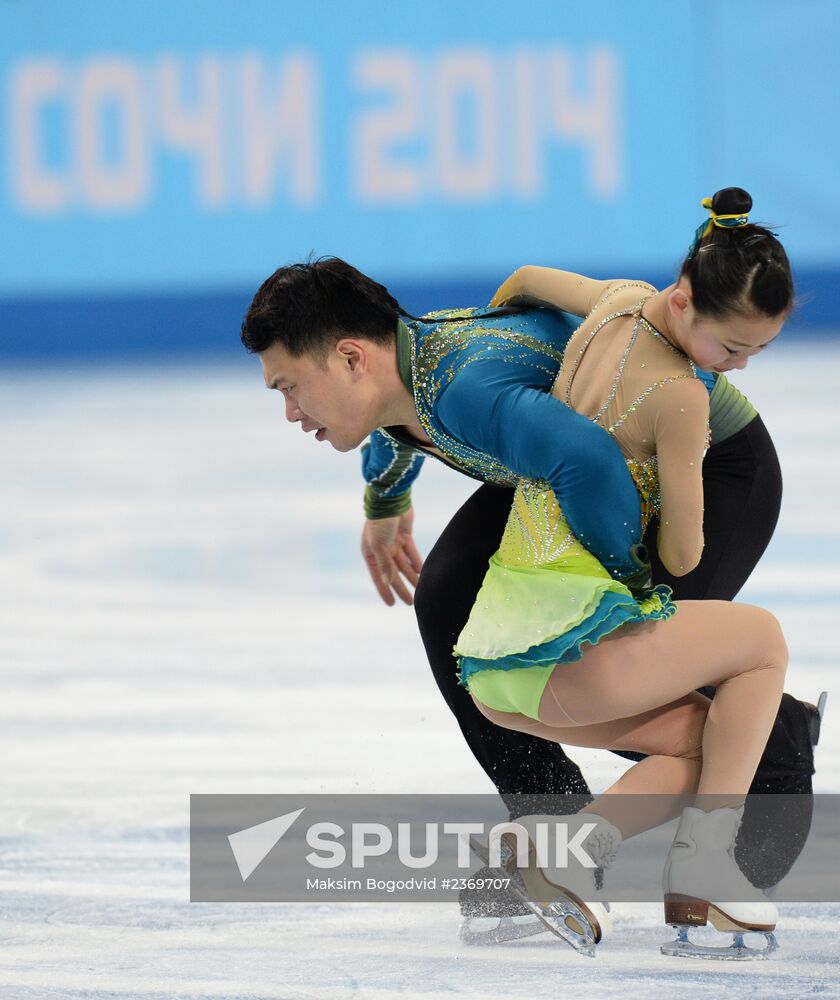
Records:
x=495, y=421
x=545, y=595
x=481, y=389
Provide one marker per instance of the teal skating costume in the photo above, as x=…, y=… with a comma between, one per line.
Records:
x=481, y=388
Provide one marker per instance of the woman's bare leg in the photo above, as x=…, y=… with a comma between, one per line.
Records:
x=672, y=737
x=736, y=647
x=625, y=694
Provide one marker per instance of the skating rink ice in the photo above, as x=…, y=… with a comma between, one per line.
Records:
x=185, y=610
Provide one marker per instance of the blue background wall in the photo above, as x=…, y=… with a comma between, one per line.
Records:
x=158, y=160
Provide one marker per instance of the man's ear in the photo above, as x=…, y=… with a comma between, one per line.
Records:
x=353, y=355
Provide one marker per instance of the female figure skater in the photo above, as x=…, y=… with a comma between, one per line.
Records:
x=557, y=648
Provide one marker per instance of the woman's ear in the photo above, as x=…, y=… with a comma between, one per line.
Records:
x=679, y=303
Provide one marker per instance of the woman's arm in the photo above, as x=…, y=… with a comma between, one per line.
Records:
x=547, y=286
x=680, y=428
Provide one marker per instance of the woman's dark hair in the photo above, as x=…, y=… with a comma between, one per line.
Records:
x=308, y=306
x=738, y=269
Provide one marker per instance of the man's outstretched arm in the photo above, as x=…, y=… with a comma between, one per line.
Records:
x=388, y=549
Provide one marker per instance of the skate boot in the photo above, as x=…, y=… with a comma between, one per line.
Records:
x=700, y=881
x=492, y=914
x=558, y=896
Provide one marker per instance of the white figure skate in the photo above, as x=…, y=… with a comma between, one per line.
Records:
x=703, y=884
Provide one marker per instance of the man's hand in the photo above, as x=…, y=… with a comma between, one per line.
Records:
x=392, y=558
x=641, y=580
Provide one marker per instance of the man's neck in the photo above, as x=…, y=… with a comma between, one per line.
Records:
x=397, y=407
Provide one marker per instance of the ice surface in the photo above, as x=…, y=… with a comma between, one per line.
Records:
x=184, y=610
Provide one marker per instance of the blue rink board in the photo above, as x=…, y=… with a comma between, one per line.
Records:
x=130, y=325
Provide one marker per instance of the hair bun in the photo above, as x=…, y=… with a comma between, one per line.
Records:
x=732, y=201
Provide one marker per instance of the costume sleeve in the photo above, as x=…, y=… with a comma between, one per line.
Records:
x=491, y=407
x=709, y=379
x=547, y=286
x=680, y=427
x=389, y=468
x=729, y=411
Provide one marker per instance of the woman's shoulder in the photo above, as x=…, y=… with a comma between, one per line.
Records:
x=679, y=391
x=623, y=293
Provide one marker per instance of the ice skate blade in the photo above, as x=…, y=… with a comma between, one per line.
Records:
x=482, y=850
x=478, y=932
x=821, y=703
x=820, y=713
x=735, y=952
x=565, y=919
x=565, y=916
x=816, y=713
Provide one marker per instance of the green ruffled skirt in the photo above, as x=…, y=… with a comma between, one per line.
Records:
x=532, y=614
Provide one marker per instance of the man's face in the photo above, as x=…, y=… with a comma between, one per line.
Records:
x=329, y=399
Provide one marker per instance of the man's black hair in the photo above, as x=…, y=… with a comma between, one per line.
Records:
x=308, y=307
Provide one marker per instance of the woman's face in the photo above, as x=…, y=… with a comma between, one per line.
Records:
x=723, y=345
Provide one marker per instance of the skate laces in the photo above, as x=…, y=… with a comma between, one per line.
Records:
x=602, y=846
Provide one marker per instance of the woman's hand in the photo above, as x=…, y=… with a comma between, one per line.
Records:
x=507, y=291
x=391, y=556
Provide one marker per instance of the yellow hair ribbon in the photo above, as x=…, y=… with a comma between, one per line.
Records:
x=723, y=221
x=731, y=221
